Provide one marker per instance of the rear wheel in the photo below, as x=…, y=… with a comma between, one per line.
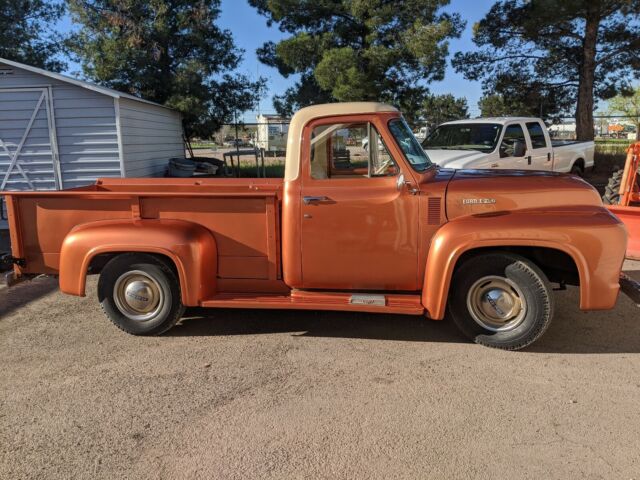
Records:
x=501, y=300
x=140, y=294
x=612, y=190
x=578, y=168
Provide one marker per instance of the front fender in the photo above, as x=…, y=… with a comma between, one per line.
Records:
x=190, y=246
x=593, y=238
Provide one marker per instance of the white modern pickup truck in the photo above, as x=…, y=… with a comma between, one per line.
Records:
x=505, y=142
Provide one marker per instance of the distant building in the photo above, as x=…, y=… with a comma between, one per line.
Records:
x=563, y=130
x=271, y=134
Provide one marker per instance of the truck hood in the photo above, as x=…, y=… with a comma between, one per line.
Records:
x=473, y=192
x=454, y=158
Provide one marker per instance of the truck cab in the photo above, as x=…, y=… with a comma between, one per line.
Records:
x=354, y=212
x=379, y=229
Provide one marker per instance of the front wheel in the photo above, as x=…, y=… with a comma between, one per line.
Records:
x=501, y=300
x=140, y=294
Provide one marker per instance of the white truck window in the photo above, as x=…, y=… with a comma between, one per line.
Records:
x=464, y=136
x=536, y=133
x=513, y=142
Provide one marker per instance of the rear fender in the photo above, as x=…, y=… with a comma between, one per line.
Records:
x=593, y=238
x=191, y=247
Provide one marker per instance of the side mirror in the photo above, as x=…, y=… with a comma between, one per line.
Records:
x=402, y=183
x=519, y=148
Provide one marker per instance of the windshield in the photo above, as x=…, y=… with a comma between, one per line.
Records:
x=409, y=145
x=464, y=136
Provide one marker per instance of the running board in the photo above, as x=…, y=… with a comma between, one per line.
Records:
x=306, y=300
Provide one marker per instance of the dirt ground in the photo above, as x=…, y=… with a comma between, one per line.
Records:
x=283, y=394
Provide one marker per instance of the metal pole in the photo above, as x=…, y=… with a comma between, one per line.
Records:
x=235, y=116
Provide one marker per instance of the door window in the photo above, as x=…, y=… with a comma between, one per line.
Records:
x=538, y=139
x=350, y=150
x=513, y=144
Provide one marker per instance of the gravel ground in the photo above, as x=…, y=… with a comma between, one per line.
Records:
x=268, y=394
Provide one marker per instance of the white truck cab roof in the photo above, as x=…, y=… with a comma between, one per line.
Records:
x=499, y=120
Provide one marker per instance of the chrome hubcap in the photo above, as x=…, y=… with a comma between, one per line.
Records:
x=496, y=303
x=138, y=295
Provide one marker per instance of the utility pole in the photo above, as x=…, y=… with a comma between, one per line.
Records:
x=235, y=116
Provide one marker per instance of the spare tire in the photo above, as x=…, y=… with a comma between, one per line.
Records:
x=181, y=167
x=203, y=163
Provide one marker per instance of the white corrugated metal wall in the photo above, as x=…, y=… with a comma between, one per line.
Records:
x=56, y=133
x=85, y=130
x=149, y=132
x=27, y=144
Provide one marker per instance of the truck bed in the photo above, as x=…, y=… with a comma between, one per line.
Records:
x=565, y=143
x=566, y=152
x=248, y=245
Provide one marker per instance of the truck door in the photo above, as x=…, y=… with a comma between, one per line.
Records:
x=513, y=148
x=539, y=151
x=359, y=222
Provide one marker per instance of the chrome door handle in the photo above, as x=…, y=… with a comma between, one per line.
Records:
x=314, y=200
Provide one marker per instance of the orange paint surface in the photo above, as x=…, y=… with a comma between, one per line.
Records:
x=254, y=243
x=628, y=211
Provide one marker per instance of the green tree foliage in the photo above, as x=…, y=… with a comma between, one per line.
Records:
x=552, y=54
x=497, y=105
x=627, y=105
x=347, y=50
x=27, y=33
x=437, y=109
x=167, y=51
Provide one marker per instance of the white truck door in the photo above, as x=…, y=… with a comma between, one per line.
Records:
x=539, y=155
x=513, y=148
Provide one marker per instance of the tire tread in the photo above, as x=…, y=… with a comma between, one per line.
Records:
x=170, y=275
x=537, y=284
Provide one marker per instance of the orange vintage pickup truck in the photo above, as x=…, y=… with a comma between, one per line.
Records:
x=375, y=230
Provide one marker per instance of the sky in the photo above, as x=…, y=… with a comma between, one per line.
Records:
x=250, y=31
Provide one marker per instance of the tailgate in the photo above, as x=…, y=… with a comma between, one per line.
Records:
x=9, y=215
x=14, y=260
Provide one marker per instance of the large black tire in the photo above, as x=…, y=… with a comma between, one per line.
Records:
x=612, y=190
x=578, y=168
x=486, y=287
x=140, y=294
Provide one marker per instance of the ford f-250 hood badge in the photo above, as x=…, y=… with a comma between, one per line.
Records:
x=478, y=201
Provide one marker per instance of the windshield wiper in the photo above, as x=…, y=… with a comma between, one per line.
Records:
x=425, y=167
